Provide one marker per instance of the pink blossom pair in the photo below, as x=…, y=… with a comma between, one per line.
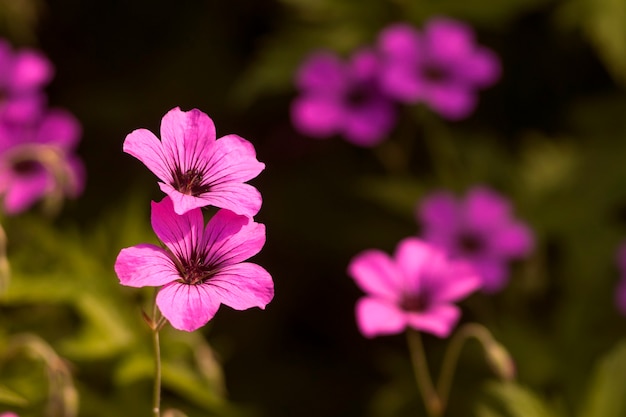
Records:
x=440, y=66
x=199, y=267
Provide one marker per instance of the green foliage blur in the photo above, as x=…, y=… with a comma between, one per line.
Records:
x=550, y=135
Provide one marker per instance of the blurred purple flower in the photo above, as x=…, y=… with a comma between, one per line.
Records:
x=200, y=268
x=416, y=288
x=620, y=291
x=37, y=160
x=342, y=98
x=23, y=74
x=441, y=67
x=479, y=229
x=197, y=170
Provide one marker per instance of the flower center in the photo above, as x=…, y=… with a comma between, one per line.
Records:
x=471, y=243
x=190, y=182
x=434, y=73
x=415, y=302
x=26, y=167
x=194, y=272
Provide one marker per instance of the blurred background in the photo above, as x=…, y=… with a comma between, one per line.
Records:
x=550, y=135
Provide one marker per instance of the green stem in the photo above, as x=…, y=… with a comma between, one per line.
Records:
x=451, y=356
x=156, y=326
x=434, y=405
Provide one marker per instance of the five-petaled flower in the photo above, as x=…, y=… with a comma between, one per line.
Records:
x=441, y=66
x=37, y=160
x=416, y=288
x=342, y=98
x=199, y=268
x=197, y=170
x=480, y=229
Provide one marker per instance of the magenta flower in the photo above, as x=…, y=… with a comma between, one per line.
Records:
x=200, y=268
x=37, y=160
x=197, y=170
x=479, y=229
x=342, y=98
x=8, y=414
x=23, y=74
x=416, y=288
x=620, y=291
x=441, y=67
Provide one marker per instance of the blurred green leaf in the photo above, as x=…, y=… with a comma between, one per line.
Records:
x=605, y=396
x=513, y=400
x=604, y=23
x=10, y=397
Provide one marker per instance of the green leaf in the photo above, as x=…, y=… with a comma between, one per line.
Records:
x=605, y=395
x=10, y=397
x=513, y=400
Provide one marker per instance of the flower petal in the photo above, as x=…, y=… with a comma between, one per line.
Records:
x=60, y=128
x=187, y=307
x=484, y=209
x=377, y=274
x=512, y=241
x=143, y=145
x=243, y=286
x=318, y=116
x=322, y=71
x=145, y=265
x=376, y=317
x=456, y=280
x=187, y=137
x=31, y=71
x=180, y=233
x=231, y=238
x=240, y=198
x=438, y=320
x=232, y=159
x=24, y=191
x=417, y=259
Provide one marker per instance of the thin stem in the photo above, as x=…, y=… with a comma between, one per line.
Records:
x=453, y=352
x=434, y=405
x=156, y=326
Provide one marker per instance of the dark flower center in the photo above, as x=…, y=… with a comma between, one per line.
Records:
x=471, y=243
x=190, y=182
x=434, y=73
x=357, y=97
x=195, y=271
x=415, y=302
x=27, y=166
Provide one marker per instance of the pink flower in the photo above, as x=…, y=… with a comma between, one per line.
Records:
x=197, y=170
x=441, y=67
x=8, y=414
x=37, y=160
x=416, y=288
x=342, y=98
x=479, y=229
x=23, y=74
x=200, y=268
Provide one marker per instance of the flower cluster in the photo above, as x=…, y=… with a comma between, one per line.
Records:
x=358, y=98
x=465, y=246
x=200, y=266
x=37, y=144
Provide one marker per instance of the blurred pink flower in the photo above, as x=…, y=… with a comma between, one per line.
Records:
x=197, y=170
x=8, y=414
x=23, y=75
x=479, y=229
x=620, y=291
x=342, y=98
x=441, y=67
x=416, y=288
x=200, y=268
x=37, y=160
